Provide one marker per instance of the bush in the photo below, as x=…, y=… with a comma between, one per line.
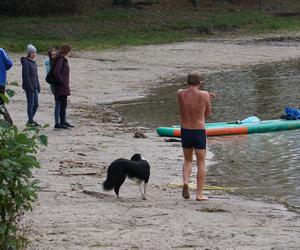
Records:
x=17, y=188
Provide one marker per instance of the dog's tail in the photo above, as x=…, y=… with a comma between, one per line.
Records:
x=108, y=184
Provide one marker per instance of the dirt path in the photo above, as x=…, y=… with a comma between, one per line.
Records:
x=73, y=212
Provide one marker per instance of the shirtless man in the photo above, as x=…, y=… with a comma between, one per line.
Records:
x=194, y=106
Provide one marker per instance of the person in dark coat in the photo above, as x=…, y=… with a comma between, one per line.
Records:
x=31, y=84
x=62, y=89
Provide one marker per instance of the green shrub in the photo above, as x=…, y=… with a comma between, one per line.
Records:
x=17, y=188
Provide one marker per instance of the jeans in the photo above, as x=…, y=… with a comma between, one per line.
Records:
x=57, y=112
x=32, y=105
x=63, y=99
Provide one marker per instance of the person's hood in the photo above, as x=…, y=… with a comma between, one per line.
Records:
x=61, y=56
x=26, y=60
x=23, y=59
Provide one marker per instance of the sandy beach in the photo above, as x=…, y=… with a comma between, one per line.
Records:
x=73, y=212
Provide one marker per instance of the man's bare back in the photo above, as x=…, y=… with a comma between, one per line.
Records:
x=194, y=106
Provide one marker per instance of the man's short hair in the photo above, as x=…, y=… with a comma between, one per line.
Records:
x=194, y=78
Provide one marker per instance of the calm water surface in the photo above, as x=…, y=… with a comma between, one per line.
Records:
x=260, y=164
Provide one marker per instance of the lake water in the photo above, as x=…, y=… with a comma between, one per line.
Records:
x=258, y=165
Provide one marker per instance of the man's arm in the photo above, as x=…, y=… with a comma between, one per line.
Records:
x=212, y=95
x=208, y=106
x=8, y=62
x=178, y=96
x=26, y=78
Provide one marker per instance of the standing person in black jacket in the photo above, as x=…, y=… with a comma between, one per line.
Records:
x=62, y=89
x=31, y=84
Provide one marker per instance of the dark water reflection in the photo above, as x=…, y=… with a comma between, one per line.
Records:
x=260, y=164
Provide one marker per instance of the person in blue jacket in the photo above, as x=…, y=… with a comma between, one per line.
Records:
x=50, y=64
x=5, y=64
x=31, y=84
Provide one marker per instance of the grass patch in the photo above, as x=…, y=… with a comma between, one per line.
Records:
x=113, y=28
x=249, y=21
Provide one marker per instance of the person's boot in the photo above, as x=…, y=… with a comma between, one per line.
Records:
x=58, y=126
x=37, y=124
x=64, y=126
x=30, y=124
x=33, y=124
x=69, y=125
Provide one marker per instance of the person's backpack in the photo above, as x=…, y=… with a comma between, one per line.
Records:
x=50, y=78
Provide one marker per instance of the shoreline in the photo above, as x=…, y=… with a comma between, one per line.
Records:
x=66, y=217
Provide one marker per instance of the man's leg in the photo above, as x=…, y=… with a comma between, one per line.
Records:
x=66, y=109
x=57, y=112
x=30, y=103
x=5, y=111
x=7, y=117
x=200, y=155
x=63, y=107
x=187, y=169
x=35, y=103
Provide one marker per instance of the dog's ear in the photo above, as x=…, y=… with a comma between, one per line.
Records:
x=136, y=157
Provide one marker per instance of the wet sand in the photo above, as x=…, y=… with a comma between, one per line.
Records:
x=73, y=212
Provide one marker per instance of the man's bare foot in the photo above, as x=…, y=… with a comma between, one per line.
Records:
x=201, y=198
x=185, y=191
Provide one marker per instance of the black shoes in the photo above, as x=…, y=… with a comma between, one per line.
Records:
x=58, y=126
x=63, y=126
x=69, y=125
x=33, y=124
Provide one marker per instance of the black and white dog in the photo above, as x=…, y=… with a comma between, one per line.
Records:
x=137, y=169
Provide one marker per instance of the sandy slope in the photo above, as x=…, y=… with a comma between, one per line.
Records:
x=65, y=217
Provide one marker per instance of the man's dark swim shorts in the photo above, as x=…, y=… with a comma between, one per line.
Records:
x=193, y=138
